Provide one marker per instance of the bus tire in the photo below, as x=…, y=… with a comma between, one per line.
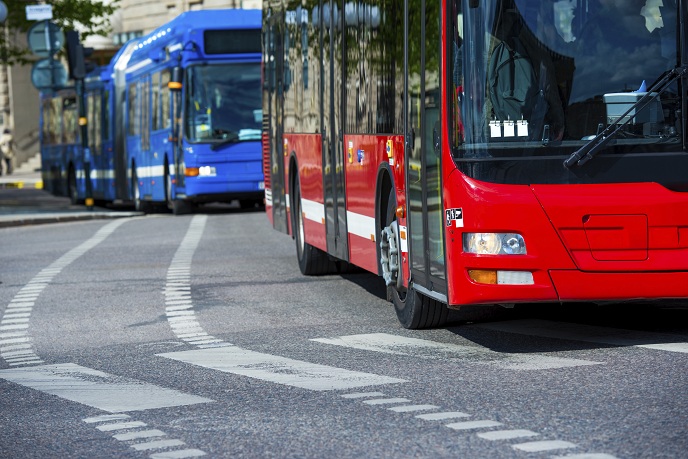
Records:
x=413, y=309
x=312, y=261
x=181, y=207
x=140, y=205
x=72, y=190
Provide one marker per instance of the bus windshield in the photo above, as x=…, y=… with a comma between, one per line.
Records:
x=223, y=102
x=539, y=79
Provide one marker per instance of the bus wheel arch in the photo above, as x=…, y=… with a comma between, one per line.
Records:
x=312, y=261
x=72, y=187
x=140, y=204
x=414, y=310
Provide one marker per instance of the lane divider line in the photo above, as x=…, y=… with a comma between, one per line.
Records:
x=14, y=328
x=178, y=302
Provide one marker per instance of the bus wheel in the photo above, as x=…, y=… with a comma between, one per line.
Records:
x=413, y=309
x=312, y=261
x=72, y=190
x=181, y=207
x=139, y=204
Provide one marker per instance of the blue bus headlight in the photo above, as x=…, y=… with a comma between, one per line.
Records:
x=494, y=243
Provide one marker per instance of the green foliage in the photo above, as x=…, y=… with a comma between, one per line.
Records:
x=88, y=16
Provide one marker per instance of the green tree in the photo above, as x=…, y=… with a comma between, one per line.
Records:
x=87, y=16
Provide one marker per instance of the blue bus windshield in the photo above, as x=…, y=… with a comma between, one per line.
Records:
x=223, y=101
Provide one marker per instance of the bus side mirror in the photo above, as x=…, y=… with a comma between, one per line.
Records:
x=175, y=83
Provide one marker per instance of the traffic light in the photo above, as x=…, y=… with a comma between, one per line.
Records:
x=78, y=65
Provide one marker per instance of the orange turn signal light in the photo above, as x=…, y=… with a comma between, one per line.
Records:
x=191, y=172
x=483, y=276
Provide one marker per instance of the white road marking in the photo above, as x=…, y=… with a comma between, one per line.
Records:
x=385, y=401
x=25, y=298
x=470, y=425
x=545, y=445
x=507, y=434
x=412, y=408
x=592, y=334
x=400, y=345
x=280, y=370
x=443, y=416
x=179, y=454
x=106, y=418
x=586, y=456
x=158, y=444
x=139, y=434
x=363, y=395
x=120, y=426
x=178, y=304
x=98, y=389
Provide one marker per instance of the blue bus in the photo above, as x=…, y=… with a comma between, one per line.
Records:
x=174, y=120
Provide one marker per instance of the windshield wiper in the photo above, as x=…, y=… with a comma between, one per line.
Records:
x=594, y=146
x=233, y=138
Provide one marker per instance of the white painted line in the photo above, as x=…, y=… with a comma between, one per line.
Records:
x=400, y=345
x=106, y=418
x=363, y=395
x=25, y=298
x=140, y=434
x=545, y=445
x=385, y=401
x=97, y=389
x=586, y=456
x=120, y=426
x=157, y=444
x=412, y=408
x=591, y=334
x=179, y=454
x=443, y=415
x=469, y=425
x=280, y=370
x=177, y=291
x=507, y=434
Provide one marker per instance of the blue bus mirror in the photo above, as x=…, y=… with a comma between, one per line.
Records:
x=175, y=83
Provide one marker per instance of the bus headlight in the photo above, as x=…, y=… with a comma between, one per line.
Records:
x=494, y=243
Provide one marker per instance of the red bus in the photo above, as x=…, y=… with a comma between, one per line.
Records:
x=476, y=152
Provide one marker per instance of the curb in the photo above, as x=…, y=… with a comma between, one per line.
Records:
x=36, y=219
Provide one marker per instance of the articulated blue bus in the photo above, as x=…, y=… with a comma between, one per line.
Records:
x=174, y=120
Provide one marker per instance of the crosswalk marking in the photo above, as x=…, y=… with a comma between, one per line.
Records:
x=591, y=334
x=470, y=425
x=507, y=434
x=280, y=370
x=443, y=416
x=157, y=444
x=545, y=445
x=98, y=389
x=411, y=408
x=400, y=345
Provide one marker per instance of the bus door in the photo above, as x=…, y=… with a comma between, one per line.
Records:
x=332, y=124
x=274, y=117
x=424, y=187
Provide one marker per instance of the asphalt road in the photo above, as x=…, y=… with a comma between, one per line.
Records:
x=191, y=336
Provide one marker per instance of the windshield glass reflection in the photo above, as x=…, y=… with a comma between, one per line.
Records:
x=223, y=102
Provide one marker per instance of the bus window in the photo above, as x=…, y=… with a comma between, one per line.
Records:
x=165, y=117
x=45, y=131
x=133, y=119
x=222, y=101
x=155, y=103
x=145, y=114
x=69, y=120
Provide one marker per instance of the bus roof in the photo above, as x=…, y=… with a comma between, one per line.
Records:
x=174, y=35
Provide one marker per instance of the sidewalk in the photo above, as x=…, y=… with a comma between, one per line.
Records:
x=24, y=202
